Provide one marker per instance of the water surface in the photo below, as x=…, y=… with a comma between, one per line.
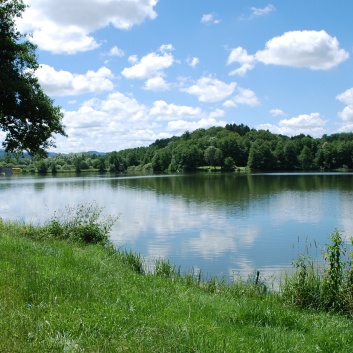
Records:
x=224, y=224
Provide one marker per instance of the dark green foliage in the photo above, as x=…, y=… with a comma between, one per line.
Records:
x=187, y=157
x=161, y=160
x=240, y=129
x=306, y=158
x=27, y=114
x=259, y=150
x=42, y=167
x=213, y=156
x=261, y=156
x=229, y=164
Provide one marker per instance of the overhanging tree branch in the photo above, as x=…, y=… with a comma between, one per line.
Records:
x=27, y=115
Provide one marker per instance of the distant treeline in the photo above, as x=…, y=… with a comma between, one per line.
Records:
x=227, y=147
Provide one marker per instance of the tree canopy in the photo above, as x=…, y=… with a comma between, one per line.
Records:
x=214, y=147
x=27, y=115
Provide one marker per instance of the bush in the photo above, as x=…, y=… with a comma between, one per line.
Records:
x=81, y=223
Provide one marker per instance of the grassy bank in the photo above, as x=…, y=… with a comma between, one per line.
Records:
x=61, y=294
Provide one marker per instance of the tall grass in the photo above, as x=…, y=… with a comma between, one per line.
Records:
x=324, y=285
x=84, y=223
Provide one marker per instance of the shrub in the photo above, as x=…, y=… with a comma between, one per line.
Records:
x=81, y=223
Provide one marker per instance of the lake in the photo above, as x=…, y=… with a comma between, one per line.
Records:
x=224, y=224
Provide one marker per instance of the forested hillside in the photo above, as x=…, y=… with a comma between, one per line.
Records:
x=228, y=147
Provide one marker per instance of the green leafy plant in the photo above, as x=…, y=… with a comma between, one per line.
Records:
x=133, y=260
x=326, y=285
x=83, y=223
x=164, y=268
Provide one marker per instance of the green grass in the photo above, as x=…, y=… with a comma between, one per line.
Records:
x=60, y=295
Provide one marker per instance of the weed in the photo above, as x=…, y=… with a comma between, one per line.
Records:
x=82, y=223
x=164, y=268
x=133, y=260
x=325, y=286
x=334, y=276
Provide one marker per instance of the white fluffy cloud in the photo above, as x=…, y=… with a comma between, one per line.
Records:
x=65, y=83
x=149, y=66
x=123, y=108
x=210, y=90
x=65, y=26
x=247, y=97
x=277, y=112
x=157, y=84
x=244, y=96
x=347, y=113
x=241, y=56
x=316, y=50
x=164, y=111
x=308, y=124
x=119, y=121
x=346, y=97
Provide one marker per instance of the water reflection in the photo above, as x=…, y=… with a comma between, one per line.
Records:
x=220, y=223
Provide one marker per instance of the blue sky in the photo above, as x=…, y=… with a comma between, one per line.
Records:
x=128, y=72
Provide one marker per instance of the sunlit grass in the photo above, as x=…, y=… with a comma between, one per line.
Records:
x=63, y=296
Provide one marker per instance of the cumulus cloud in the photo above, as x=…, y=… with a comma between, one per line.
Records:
x=117, y=122
x=164, y=111
x=241, y=56
x=316, y=50
x=123, y=107
x=65, y=26
x=149, y=66
x=120, y=121
x=156, y=84
x=210, y=90
x=244, y=96
x=210, y=18
x=346, y=97
x=247, y=97
x=309, y=124
x=347, y=113
x=65, y=83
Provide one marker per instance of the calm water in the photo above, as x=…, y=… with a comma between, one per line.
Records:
x=224, y=224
